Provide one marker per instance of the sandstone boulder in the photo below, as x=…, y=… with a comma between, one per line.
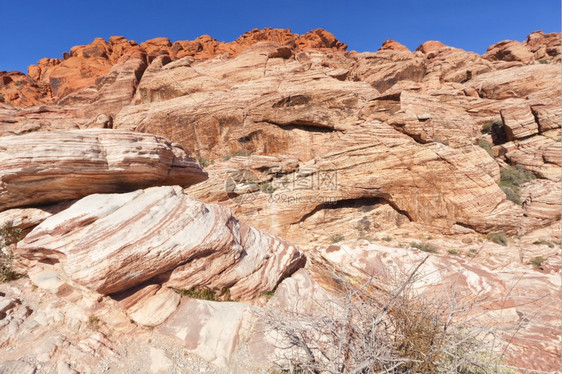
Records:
x=113, y=242
x=48, y=167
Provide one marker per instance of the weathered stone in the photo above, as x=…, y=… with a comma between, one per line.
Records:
x=49, y=167
x=189, y=243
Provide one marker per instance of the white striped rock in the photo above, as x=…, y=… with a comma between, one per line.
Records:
x=47, y=167
x=112, y=242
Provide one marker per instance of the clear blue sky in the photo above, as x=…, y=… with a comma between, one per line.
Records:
x=33, y=29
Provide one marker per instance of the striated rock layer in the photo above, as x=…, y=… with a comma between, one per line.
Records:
x=113, y=242
x=49, y=167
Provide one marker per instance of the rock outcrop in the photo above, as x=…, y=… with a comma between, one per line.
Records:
x=124, y=165
x=48, y=167
x=110, y=243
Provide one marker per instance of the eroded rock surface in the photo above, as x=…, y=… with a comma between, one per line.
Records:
x=113, y=242
x=48, y=167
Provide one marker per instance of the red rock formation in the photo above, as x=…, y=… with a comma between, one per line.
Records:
x=393, y=45
x=53, y=79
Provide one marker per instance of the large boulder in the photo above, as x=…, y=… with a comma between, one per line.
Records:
x=46, y=167
x=113, y=242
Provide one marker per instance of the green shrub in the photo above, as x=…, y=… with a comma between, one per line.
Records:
x=498, y=238
x=205, y=294
x=537, y=262
x=387, y=238
x=511, y=178
x=453, y=252
x=8, y=235
x=266, y=187
x=487, y=146
x=487, y=127
x=94, y=322
x=204, y=162
x=512, y=195
x=515, y=176
x=544, y=242
x=425, y=247
x=235, y=154
x=543, y=61
x=337, y=238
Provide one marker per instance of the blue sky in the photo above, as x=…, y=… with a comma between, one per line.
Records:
x=34, y=29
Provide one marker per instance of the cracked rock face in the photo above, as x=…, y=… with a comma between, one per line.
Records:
x=50, y=167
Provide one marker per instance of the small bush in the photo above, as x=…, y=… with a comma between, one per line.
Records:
x=236, y=154
x=537, y=262
x=544, y=242
x=204, y=162
x=337, y=238
x=511, y=178
x=8, y=235
x=453, y=252
x=266, y=187
x=543, y=61
x=515, y=176
x=198, y=293
x=94, y=322
x=487, y=146
x=425, y=247
x=498, y=238
x=205, y=294
x=387, y=238
x=487, y=127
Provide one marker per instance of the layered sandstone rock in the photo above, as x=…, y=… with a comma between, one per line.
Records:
x=84, y=66
x=46, y=167
x=113, y=242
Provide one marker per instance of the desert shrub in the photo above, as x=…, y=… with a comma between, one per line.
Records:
x=368, y=329
x=543, y=61
x=537, y=262
x=511, y=178
x=94, y=322
x=266, y=187
x=425, y=247
x=8, y=235
x=487, y=146
x=235, y=154
x=512, y=194
x=453, y=252
x=498, y=238
x=487, y=127
x=205, y=294
x=544, y=242
x=387, y=238
x=204, y=162
x=337, y=238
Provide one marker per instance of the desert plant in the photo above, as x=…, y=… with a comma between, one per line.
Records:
x=544, y=242
x=487, y=127
x=537, y=262
x=204, y=162
x=205, y=294
x=487, y=146
x=266, y=187
x=511, y=178
x=337, y=238
x=543, y=61
x=235, y=154
x=425, y=247
x=387, y=238
x=498, y=238
x=8, y=235
x=453, y=252
x=94, y=322
x=371, y=328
